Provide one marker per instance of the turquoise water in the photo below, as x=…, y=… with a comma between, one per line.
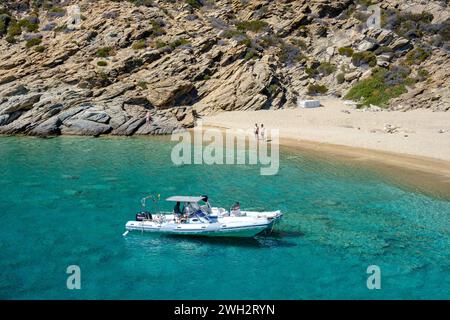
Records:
x=64, y=201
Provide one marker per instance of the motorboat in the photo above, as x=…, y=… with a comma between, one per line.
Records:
x=198, y=218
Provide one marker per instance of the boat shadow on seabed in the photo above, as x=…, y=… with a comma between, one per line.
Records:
x=273, y=239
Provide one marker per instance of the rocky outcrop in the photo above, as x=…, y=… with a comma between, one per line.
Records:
x=106, y=70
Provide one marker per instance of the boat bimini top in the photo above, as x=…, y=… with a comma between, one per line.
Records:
x=187, y=199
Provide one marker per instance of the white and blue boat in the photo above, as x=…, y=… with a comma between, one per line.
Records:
x=194, y=216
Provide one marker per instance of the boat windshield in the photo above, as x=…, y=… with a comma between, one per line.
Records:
x=193, y=208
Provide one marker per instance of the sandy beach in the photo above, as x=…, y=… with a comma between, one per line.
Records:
x=417, y=140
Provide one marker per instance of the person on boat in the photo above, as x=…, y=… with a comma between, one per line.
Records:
x=177, y=209
x=206, y=208
x=256, y=131
x=236, y=209
x=262, y=131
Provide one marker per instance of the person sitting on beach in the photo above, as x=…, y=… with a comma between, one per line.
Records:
x=256, y=130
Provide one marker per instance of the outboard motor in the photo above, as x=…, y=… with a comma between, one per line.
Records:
x=144, y=215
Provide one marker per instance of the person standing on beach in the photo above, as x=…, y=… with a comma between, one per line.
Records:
x=263, y=131
x=256, y=131
x=148, y=117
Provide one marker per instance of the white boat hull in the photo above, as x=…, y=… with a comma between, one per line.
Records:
x=217, y=229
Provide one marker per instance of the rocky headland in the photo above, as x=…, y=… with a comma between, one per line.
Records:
x=98, y=67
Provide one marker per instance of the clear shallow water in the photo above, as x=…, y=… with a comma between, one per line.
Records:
x=64, y=201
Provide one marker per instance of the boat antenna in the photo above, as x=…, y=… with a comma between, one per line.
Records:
x=154, y=199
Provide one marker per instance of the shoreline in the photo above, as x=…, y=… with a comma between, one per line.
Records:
x=426, y=175
x=414, y=170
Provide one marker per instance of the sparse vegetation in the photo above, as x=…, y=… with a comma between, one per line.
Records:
x=102, y=63
x=250, y=54
x=422, y=75
x=314, y=89
x=340, y=78
x=300, y=43
x=157, y=29
x=160, y=44
x=382, y=86
x=273, y=89
x=246, y=41
x=3, y=28
x=252, y=25
x=14, y=29
x=104, y=52
x=365, y=57
x=179, y=42
x=346, y=51
x=139, y=45
x=57, y=11
x=33, y=42
x=142, y=85
x=326, y=68
x=39, y=49
x=416, y=56
x=289, y=53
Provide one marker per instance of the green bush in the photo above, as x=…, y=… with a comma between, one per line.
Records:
x=289, y=53
x=160, y=44
x=268, y=41
x=300, y=43
x=102, y=63
x=252, y=25
x=233, y=33
x=33, y=42
x=378, y=89
x=365, y=57
x=422, y=75
x=246, y=41
x=250, y=54
x=340, y=78
x=416, y=56
x=194, y=4
x=138, y=45
x=3, y=28
x=39, y=49
x=157, y=30
x=346, y=51
x=142, y=85
x=326, y=68
x=314, y=89
x=179, y=42
x=104, y=52
x=31, y=27
x=10, y=39
x=272, y=89
x=14, y=29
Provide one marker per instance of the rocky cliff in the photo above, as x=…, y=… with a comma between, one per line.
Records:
x=98, y=67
